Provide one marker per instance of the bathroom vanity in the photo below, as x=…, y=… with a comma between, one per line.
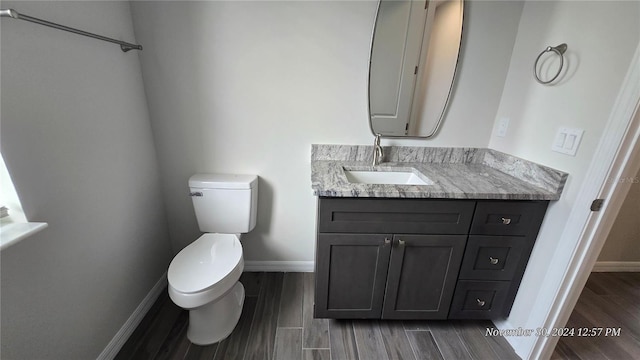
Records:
x=454, y=247
x=422, y=258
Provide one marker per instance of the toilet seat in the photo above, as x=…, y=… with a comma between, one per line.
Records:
x=212, y=263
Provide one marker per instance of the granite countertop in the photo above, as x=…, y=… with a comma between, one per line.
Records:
x=456, y=173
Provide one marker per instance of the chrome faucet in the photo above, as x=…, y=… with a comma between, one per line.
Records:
x=378, y=153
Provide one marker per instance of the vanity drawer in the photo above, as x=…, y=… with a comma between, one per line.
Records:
x=479, y=299
x=494, y=257
x=508, y=217
x=407, y=216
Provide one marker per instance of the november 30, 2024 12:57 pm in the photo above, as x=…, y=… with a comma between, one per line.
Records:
x=559, y=332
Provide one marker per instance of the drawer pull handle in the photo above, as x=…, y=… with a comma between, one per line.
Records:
x=506, y=221
x=480, y=302
x=387, y=241
x=493, y=261
x=195, y=193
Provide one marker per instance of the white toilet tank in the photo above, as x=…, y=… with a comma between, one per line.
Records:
x=225, y=203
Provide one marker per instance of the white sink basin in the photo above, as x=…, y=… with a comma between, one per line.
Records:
x=385, y=177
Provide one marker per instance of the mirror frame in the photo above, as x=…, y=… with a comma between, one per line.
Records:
x=453, y=81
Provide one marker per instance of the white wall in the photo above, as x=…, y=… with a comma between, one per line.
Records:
x=247, y=87
x=601, y=37
x=77, y=140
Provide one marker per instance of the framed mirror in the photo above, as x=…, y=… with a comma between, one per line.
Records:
x=414, y=56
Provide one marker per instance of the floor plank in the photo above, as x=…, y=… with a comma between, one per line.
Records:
x=369, y=340
x=343, y=340
x=424, y=346
x=630, y=281
x=265, y=319
x=448, y=341
x=177, y=341
x=291, y=300
x=396, y=341
x=316, y=354
x=316, y=331
x=476, y=343
x=563, y=352
x=252, y=282
x=197, y=352
x=180, y=347
x=288, y=344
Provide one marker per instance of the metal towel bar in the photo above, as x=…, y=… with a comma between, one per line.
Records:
x=11, y=13
x=560, y=49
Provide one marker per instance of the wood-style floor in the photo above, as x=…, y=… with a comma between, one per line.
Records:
x=277, y=323
x=608, y=301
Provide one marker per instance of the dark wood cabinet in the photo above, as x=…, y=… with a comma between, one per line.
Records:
x=421, y=258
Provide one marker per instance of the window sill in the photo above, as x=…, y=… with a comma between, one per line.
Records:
x=11, y=233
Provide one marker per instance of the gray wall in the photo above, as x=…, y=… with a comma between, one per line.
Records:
x=247, y=87
x=77, y=140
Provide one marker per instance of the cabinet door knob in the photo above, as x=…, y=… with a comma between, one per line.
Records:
x=493, y=261
x=387, y=241
x=401, y=242
x=480, y=302
x=506, y=221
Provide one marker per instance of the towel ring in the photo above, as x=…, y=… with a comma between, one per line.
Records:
x=560, y=49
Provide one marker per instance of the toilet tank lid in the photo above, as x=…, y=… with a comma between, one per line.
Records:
x=223, y=181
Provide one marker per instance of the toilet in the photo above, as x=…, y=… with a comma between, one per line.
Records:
x=203, y=277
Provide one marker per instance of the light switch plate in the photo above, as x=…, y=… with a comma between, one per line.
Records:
x=567, y=140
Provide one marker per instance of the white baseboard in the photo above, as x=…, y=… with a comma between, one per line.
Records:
x=279, y=266
x=616, y=266
x=133, y=321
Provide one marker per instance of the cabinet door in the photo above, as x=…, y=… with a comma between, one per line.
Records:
x=351, y=270
x=422, y=276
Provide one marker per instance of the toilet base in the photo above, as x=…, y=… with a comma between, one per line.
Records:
x=215, y=321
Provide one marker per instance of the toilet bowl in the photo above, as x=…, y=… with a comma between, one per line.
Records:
x=203, y=278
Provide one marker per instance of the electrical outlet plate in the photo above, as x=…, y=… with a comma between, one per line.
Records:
x=503, y=125
x=567, y=140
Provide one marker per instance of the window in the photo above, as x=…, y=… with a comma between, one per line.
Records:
x=13, y=222
x=11, y=208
